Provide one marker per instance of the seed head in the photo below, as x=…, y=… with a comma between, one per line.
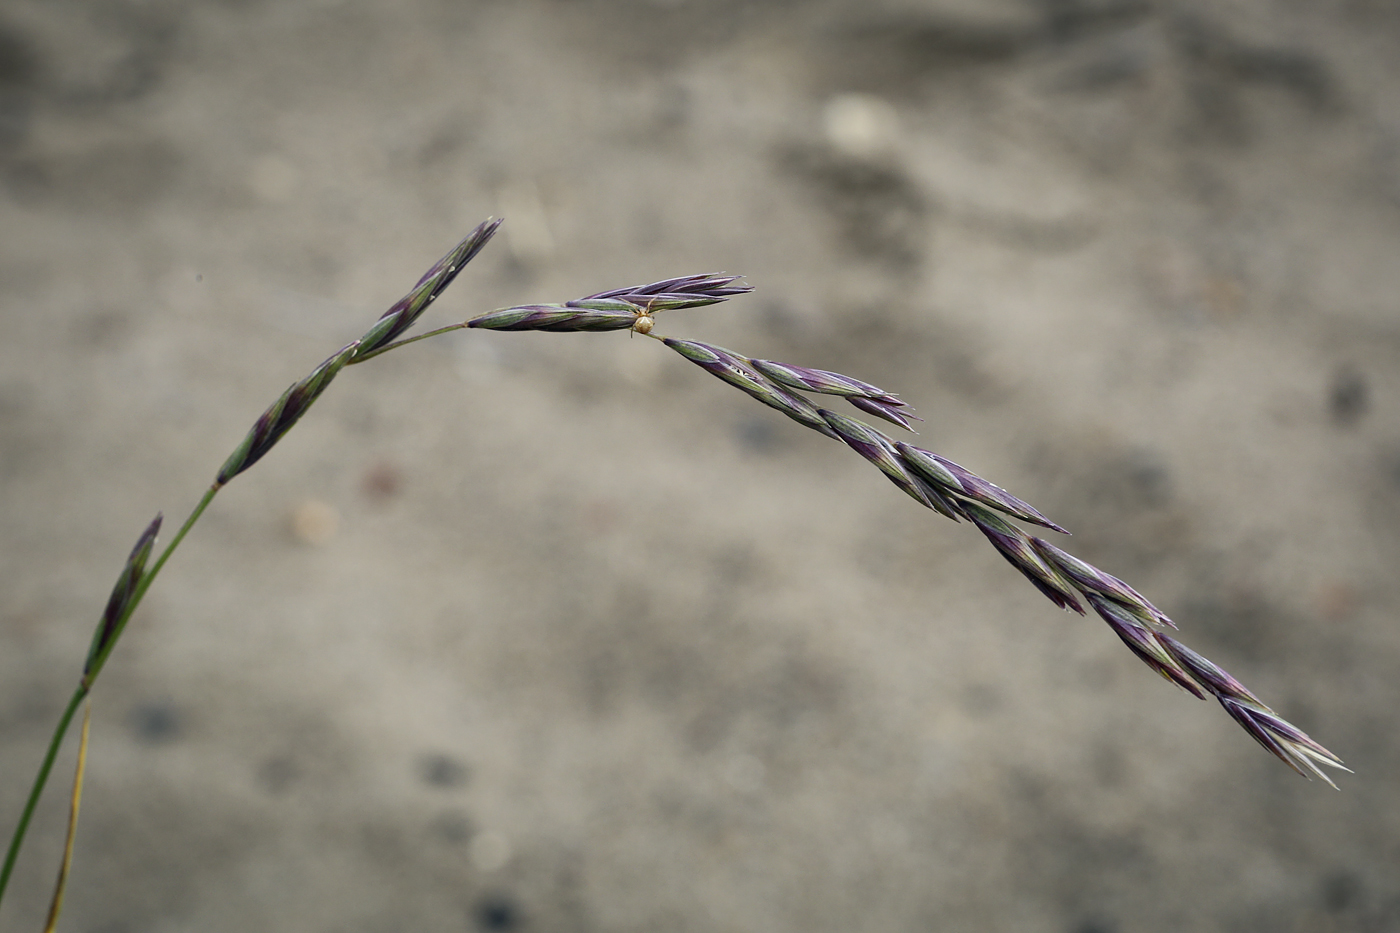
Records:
x=687, y=291
x=122, y=593
x=407, y=309
x=1292, y=746
x=943, y=485
x=735, y=370
x=868, y=398
x=556, y=318
x=283, y=413
x=943, y=472
x=1091, y=579
x=1015, y=545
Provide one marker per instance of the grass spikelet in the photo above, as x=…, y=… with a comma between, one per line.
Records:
x=943, y=472
x=410, y=307
x=117, y=604
x=879, y=450
x=618, y=309
x=1015, y=545
x=735, y=370
x=557, y=318
x=880, y=409
x=686, y=291
x=283, y=413
x=868, y=398
x=1091, y=579
x=1290, y=744
x=1142, y=641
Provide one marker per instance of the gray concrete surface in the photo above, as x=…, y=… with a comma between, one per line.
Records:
x=556, y=632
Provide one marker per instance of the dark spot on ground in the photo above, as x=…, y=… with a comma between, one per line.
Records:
x=452, y=827
x=439, y=770
x=1094, y=926
x=497, y=912
x=382, y=481
x=1341, y=891
x=756, y=436
x=19, y=70
x=1349, y=396
x=277, y=774
x=155, y=723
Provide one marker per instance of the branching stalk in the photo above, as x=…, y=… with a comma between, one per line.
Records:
x=930, y=479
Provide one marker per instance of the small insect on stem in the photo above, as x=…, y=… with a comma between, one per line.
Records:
x=644, y=322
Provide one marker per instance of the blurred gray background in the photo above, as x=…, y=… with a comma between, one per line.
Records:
x=557, y=632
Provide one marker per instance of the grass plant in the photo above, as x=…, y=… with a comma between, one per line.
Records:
x=933, y=481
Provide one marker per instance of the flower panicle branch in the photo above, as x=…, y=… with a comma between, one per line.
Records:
x=930, y=479
x=1067, y=581
x=618, y=309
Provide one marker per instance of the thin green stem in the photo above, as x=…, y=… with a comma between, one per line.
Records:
x=39, y=780
x=403, y=343
x=85, y=685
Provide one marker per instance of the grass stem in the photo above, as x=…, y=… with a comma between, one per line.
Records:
x=84, y=686
x=39, y=780
x=403, y=343
x=56, y=906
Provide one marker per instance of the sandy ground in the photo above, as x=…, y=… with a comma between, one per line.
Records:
x=557, y=632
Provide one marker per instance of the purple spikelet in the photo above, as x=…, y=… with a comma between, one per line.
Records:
x=868, y=398
x=282, y=414
x=1129, y=625
x=687, y=291
x=406, y=310
x=945, y=473
x=1290, y=744
x=122, y=594
x=618, y=309
x=879, y=450
x=1015, y=545
x=557, y=318
x=1091, y=579
x=735, y=370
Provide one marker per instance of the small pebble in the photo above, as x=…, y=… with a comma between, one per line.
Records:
x=745, y=773
x=489, y=851
x=382, y=481
x=861, y=126
x=273, y=178
x=314, y=522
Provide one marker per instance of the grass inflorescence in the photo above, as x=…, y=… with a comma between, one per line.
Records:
x=929, y=478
